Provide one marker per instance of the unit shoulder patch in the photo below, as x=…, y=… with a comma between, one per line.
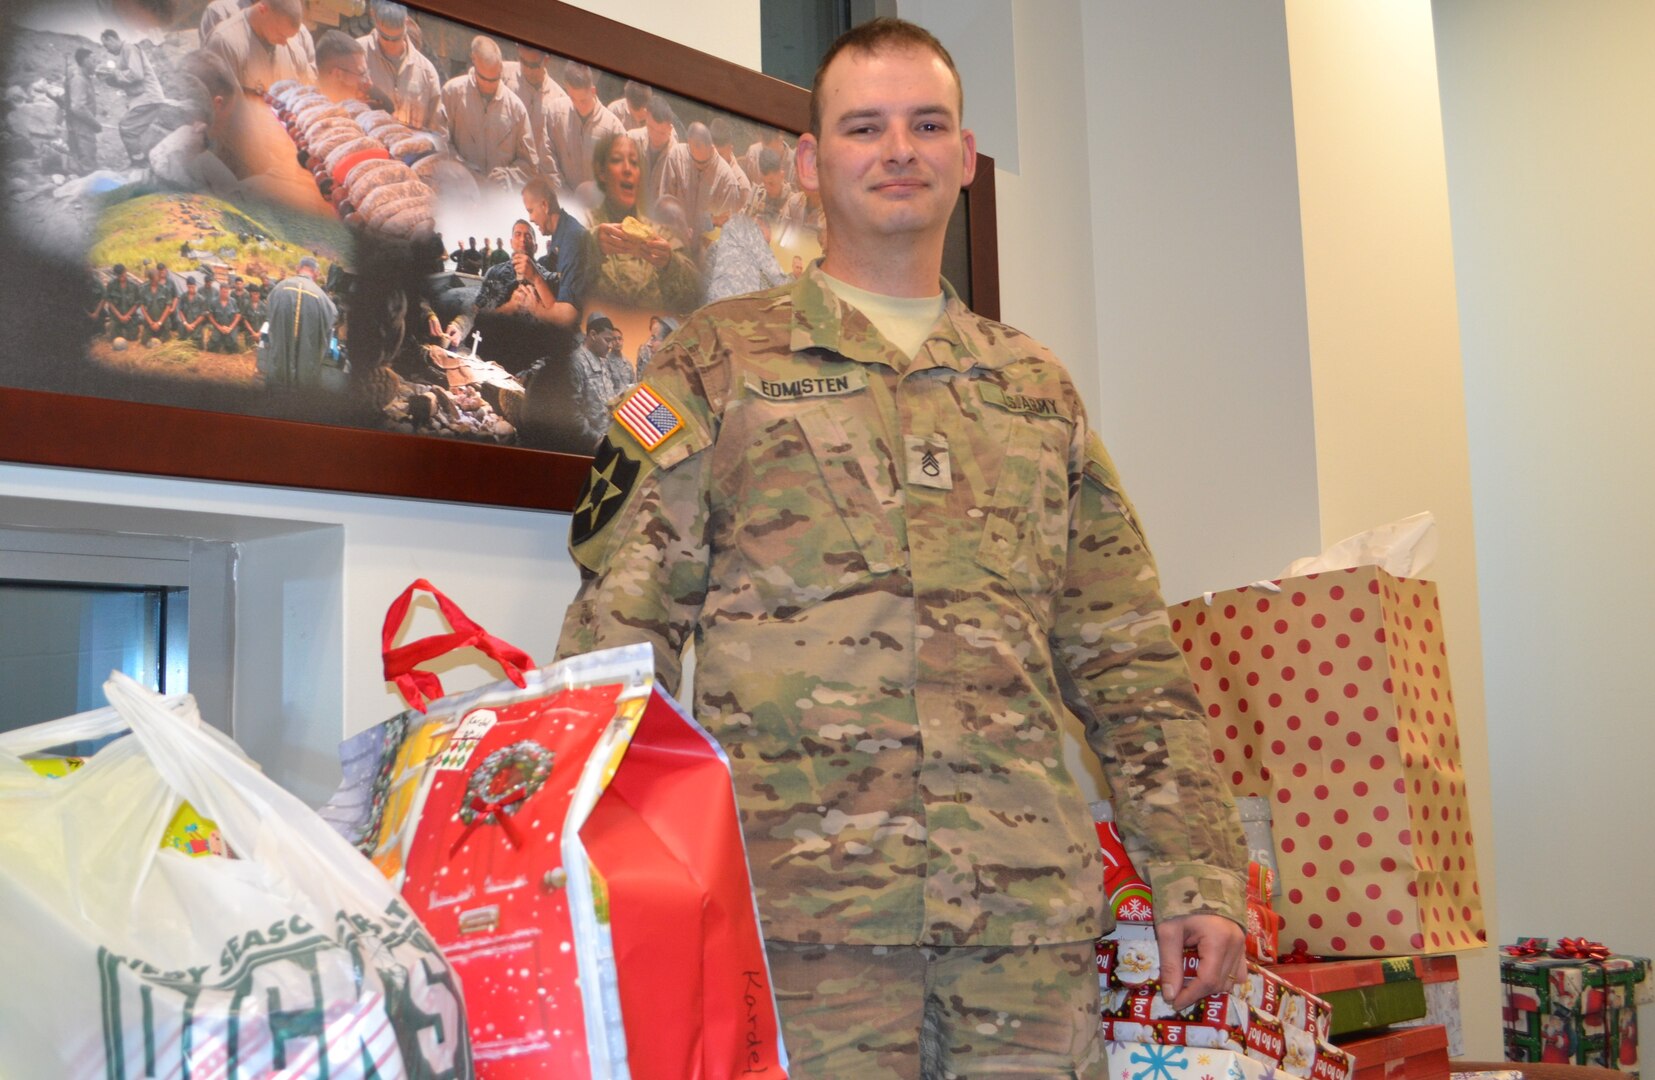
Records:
x=614, y=473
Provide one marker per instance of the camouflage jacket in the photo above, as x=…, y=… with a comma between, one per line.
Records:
x=898, y=576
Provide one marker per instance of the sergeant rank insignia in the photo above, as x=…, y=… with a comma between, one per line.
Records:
x=649, y=419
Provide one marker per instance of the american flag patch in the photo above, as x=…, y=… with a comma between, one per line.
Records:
x=650, y=420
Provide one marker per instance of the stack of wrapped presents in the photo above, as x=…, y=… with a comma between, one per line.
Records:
x=1331, y=714
x=1248, y=1033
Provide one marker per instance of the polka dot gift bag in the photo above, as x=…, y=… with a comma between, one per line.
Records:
x=1331, y=698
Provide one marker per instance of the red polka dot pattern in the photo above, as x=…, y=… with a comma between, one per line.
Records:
x=1332, y=700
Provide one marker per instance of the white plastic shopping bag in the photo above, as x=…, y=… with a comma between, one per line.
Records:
x=293, y=959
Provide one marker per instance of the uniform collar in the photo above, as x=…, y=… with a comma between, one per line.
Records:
x=822, y=320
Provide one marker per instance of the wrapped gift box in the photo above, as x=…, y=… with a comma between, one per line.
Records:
x=1145, y=1061
x=1365, y=1008
x=1263, y=924
x=1331, y=698
x=1149, y=1061
x=1574, y=1010
x=1419, y=1053
x=1353, y=989
x=1326, y=976
x=1255, y=826
x=1442, y=1006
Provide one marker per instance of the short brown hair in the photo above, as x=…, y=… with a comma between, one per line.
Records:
x=874, y=36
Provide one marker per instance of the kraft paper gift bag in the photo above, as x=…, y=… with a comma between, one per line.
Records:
x=1331, y=698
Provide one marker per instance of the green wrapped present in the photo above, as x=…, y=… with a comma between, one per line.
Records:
x=1576, y=1008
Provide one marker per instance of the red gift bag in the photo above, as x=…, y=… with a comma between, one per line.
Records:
x=578, y=859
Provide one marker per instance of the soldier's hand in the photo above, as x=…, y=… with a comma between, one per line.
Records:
x=523, y=265
x=1219, y=943
x=612, y=240
x=658, y=252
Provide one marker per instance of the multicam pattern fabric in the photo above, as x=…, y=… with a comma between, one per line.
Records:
x=893, y=1013
x=885, y=655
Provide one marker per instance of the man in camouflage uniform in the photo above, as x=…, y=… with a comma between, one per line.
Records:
x=190, y=316
x=902, y=556
x=122, y=297
x=223, y=320
x=80, y=112
x=155, y=312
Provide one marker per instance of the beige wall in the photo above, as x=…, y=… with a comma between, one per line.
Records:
x=1548, y=109
x=1384, y=343
x=1204, y=364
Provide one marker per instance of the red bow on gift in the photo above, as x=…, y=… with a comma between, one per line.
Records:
x=1581, y=949
x=497, y=810
x=1299, y=955
x=1529, y=946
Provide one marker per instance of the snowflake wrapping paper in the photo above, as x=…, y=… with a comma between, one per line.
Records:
x=1332, y=699
x=1149, y=1061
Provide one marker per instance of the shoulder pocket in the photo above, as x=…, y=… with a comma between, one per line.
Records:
x=1100, y=470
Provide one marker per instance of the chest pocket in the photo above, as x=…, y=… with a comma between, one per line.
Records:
x=1025, y=538
x=816, y=504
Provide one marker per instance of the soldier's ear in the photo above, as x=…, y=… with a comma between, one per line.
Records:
x=804, y=161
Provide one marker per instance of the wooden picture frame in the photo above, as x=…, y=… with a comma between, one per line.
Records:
x=51, y=428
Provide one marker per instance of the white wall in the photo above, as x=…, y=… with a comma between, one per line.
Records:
x=506, y=568
x=1203, y=358
x=727, y=29
x=1547, y=114
x=1384, y=344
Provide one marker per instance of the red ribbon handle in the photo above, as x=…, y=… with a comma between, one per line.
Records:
x=419, y=688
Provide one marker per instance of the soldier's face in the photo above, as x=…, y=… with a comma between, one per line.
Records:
x=660, y=132
x=346, y=78
x=892, y=156
x=621, y=172
x=274, y=27
x=773, y=182
x=522, y=240
x=392, y=43
x=113, y=44
x=584, y=98
x=539, y=211
x=534, y=65
x=488, y=76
